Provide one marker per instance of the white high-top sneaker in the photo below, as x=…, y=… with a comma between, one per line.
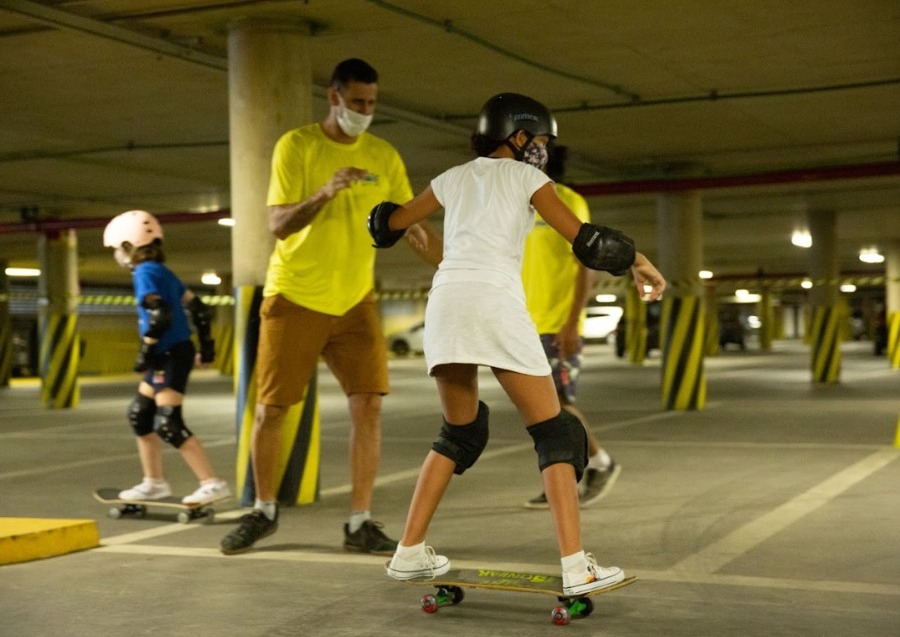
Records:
x=147, y=490
x=592, y=578
x=423, y=564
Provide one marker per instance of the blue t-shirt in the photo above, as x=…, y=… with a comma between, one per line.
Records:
x=153, y=278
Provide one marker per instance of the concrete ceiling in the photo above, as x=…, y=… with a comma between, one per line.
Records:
x=110, y=105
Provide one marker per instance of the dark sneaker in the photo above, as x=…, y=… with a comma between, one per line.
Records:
x=539, y=502
x=369, y=538
x=252, y=527
x=597, y=483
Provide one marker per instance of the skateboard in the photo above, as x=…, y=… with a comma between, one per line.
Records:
x=451, y=584
x=138, y=508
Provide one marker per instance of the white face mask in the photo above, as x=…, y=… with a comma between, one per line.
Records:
x=352, y=123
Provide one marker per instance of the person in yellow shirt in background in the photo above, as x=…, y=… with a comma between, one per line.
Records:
x=557, y=288
x=318, y=296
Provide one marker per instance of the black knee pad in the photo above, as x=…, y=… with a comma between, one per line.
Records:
x=141, y=412
x=561, y=439
x=464, y=443
x=170, y=426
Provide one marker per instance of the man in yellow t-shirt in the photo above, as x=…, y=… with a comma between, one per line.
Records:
x=557, y=287
x=318, y=296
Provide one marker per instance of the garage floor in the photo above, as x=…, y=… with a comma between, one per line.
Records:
x=774, y=511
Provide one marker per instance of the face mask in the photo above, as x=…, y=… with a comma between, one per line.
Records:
x=535, y=155
x=352, y=123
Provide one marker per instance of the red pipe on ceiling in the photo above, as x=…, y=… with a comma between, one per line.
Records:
x=641, y=186
x=55, y=225
x=801, y=175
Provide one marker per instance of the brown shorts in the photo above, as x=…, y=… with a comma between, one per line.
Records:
x=291, y=339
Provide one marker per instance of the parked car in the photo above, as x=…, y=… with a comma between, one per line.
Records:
x=408, y=341
x=600, y=322
x=731, y=330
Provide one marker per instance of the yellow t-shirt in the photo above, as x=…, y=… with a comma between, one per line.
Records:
x=329, y=265
x=549, y=268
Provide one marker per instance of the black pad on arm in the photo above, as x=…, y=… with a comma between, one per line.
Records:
x=378, y=225
x=602, y=248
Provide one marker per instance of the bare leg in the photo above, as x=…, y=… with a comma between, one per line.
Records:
x=150, y=446
x=536, y=399
x=265, y=446
x=192, y=451
x=458, y=389
x=150, y=453
x=365, y=448
x=432, y=483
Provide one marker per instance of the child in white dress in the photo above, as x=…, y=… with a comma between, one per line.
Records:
x=476, y=315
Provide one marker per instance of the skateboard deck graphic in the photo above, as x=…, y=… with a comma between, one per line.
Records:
x=138, y=508
x=449, y=590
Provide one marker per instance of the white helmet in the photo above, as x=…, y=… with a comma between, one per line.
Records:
x=137, y=227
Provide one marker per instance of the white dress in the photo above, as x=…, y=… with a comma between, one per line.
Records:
x=476, y=307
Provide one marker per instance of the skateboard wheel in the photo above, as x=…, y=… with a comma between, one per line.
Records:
x=184, y=517
x=209, y=516
x=455, y=594
x=429, y=604
x=560, y=616
x=115, y=513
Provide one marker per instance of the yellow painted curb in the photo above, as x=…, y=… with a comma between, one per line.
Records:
x=25, y=539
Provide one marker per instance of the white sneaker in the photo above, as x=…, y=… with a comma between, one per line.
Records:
x=209, y=492
x=147, y=490
x=594, y=577
x=424, y=564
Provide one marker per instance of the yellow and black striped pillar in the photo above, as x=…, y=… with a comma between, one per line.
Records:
x=6, y=353
x=58, y=319
x=636, y=326
x=893, y=342
x=59, y=357
x=298, y=464
x=825, y=339
x=682, y=334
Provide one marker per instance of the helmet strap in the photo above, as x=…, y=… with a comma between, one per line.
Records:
x=519, y=153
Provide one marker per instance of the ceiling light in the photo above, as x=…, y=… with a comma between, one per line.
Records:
x=847, y=288
x=23, y=272
x=871, y=255
x=806, y=284
x=210, y=278
x=605, y=298
x=801, y=239
x=226, y=221
x=705, y=274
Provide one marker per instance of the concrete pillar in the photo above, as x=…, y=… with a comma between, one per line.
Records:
x=892, y=302
x=711, y=312
x=680, y=228
x=766, y=318
x=635, y=325
x=58, y=294
x=6, y=344
x=825, y=311
x=269, y=92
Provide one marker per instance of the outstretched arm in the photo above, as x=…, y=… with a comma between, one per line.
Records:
x=286, y=219
x=389, y=221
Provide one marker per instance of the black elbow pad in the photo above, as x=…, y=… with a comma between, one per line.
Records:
x=379, y=227
x=602, y=248
x=160, y=316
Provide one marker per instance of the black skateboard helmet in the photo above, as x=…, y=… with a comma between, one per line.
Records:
x=506, y=113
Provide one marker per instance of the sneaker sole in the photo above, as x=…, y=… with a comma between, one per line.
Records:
x=584, y=589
